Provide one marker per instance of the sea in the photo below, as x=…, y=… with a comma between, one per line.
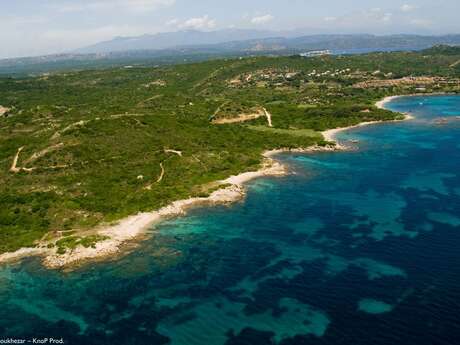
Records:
x=355, y=247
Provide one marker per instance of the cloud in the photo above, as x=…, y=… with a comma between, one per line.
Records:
x=387, y=17
x=103, y=5
x=262, y=19
x=374, y=20
x=375, y=15
x=425, y=23
x=173, y=22
x=68, y=39
x=19, y=35
x=197, y=23
x=23, y=41
x=408, y=8
x=10, y=20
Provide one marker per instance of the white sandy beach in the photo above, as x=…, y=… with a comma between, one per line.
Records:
x=330, y=134
x=381, y=104
x=135, y=226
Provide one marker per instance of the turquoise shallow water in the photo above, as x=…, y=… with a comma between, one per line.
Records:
x=357, y=247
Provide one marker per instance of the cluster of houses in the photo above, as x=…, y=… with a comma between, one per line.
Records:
x=286, y=77
x=268, y=75
x=420, y=83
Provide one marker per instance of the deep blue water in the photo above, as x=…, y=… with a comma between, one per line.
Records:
x=359, y=247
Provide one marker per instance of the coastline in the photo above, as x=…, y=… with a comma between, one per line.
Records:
x=330, y=134
x=134, y=227
x=381, y=104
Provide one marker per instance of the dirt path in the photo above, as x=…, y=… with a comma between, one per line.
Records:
x=162, y=174
x=269, y=118
x=220, y=107
x=70, y=127
x=119, y=116
x=455, y=64
x=162, y=168
x=14, y=168
x=212, y=75
x=43, y=152
x=179, y=153
x=82, y=123
x=240, y=118
x=149, y=99
x=244, y=117
x=160, y=178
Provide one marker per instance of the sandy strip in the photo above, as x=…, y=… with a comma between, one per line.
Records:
x=330, y=134
x=21, y=254
x=134, y=227
x=381, y=104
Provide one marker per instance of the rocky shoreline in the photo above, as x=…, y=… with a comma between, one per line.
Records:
x=134, y=227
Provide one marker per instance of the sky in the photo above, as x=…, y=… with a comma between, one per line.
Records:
x=38, y=27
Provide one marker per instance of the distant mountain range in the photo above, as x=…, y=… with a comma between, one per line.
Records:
x=169, y=40
x=177, y=47
x=237, y=39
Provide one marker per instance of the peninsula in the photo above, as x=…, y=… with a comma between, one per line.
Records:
x=90, y=159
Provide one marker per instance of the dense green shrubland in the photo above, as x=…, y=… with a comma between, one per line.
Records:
x=130, y=116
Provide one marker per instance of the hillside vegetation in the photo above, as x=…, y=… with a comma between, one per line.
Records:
x=81, y=148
